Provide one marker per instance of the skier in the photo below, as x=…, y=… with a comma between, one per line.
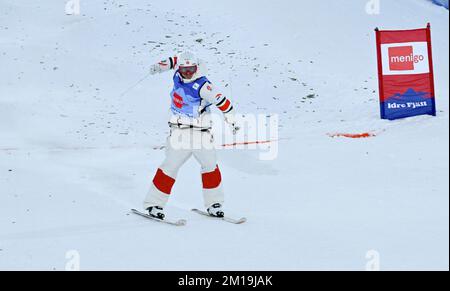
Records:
x=190, y=122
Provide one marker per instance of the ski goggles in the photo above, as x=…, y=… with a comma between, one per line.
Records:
x=188, y=70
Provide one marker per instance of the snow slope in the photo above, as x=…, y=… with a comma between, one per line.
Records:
x=77, y=140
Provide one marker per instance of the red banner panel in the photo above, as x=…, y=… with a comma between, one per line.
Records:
x=405, y=73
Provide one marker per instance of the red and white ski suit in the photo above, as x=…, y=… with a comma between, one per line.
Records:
x=190, y=137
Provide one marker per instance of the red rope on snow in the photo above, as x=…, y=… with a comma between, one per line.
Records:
x=353, y=135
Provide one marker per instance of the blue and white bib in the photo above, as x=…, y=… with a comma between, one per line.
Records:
x=186, y=98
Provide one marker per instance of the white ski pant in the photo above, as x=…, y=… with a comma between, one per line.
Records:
x=180, y=146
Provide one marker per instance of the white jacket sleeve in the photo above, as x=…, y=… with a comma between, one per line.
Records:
x=163, y=66
x=210, y=94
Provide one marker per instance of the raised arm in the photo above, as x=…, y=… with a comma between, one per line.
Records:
x=163, y=66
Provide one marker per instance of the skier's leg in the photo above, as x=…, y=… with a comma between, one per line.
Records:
x=211, y=176
x=165, y=176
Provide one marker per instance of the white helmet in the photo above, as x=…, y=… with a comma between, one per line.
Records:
x=187, y=59
x=187, y=66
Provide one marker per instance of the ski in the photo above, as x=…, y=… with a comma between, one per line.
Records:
x=225, y=218
x=179, y=222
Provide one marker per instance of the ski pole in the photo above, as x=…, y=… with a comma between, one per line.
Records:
x=132, y=87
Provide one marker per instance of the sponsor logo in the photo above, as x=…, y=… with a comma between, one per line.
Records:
x=177, y=100
x=411, y=105
x=196, y=86
x=402, y=58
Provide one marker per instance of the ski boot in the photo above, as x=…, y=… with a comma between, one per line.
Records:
x=156, y=212
x=216, y=210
